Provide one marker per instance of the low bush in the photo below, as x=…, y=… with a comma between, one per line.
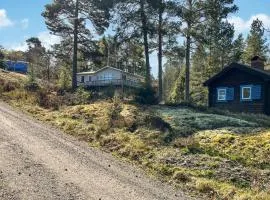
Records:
x=205, y=187
x=48, y=100
x=31, y=86
x=146, y=95
x=181, y=177
x=115, y=109
x=10, y=86
x=82, y=96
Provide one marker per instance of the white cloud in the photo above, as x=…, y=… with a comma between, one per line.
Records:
x=25, y=23
x=45, y=37
x=242, y=26
x=48, y=39
x=18, y=46
x=4, y=20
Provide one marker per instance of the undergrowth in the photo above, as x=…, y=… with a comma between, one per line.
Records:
x=215, y=154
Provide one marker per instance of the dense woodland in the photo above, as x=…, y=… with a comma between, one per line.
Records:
x=192, y=39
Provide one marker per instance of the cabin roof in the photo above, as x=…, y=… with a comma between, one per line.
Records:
x=265, y=75
x=108, y=67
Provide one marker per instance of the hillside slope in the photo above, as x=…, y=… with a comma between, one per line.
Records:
x=39, y=162
x=214, y=154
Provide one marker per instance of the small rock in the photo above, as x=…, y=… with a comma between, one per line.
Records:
x=19, y=173
x=109, y=165
x=66, y=170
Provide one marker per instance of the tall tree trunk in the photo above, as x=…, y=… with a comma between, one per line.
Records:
x=187, y=89
x=75, y=48
x=160, y=53
x=48, y=73
x=146, y=45
x=48, y=69
x=188, y=37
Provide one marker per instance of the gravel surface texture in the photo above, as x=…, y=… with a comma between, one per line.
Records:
x=40, y=162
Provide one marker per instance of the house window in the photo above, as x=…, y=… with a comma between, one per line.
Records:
x=108, y=77
x=90, y=78
x=82, y=79
x=246, y=93
x=222, y=94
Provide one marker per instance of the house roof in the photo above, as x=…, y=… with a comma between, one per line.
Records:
x=107, y=67
x=245, y=68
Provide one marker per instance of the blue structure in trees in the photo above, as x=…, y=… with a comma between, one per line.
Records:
x=17, y=66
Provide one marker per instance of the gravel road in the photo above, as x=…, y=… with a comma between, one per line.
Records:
x=39, y=162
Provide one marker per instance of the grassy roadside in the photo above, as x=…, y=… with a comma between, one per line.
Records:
x=214, y=155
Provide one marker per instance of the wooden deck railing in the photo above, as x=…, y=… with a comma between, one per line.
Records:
x=114, y=82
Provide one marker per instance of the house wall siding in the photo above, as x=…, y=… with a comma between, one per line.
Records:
x=115, y=74
x=95, y=77
x=235, y=78
x=113, y=77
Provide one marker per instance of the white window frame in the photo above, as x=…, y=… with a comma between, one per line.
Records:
x=222, y=97
x=242, y=92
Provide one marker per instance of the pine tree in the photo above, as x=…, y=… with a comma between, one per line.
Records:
x=215, y=48
x=256, y=42
x=218, y=34
x=237, y=49
x=69, y=19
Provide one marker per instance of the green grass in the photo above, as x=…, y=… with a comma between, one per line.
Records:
x=211, y=153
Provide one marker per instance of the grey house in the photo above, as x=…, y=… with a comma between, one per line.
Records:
x=109, y=76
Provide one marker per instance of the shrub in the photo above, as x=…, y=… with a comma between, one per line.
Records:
x=205, y=187
x=180, y=176
x=31, y=86
x=114, y=111
x=146, y=95
x=47, y=100
x=10, y=86
x=82, y=96
x=64, y=78
x=108, y=92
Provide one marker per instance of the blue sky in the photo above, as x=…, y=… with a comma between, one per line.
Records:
x=19, y=21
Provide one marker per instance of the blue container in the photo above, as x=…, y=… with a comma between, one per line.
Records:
x=19, y=66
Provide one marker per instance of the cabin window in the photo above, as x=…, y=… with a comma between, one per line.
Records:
x=108, y=77
x=251, y=92
x=246, y=93
x=222, y=94
x=82, y=79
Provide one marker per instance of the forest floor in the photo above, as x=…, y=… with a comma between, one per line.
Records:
x=208, y=153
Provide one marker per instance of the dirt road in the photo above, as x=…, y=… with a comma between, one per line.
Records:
x=38, y=162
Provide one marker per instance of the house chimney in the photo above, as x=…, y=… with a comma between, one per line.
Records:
x=257, y=62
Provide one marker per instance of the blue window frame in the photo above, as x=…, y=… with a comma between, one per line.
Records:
x=221, y=94
x=246, y=92
x=225, y=94
x=250, y=92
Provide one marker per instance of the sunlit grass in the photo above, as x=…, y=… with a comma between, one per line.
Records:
x=217, y=154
